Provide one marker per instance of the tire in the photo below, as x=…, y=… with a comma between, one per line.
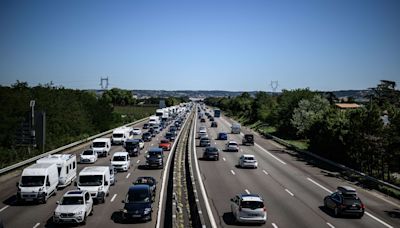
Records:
x=336, y=212
x=84, y=220
x=91, y=212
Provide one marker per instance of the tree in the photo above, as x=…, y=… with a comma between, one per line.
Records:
x=263, y=107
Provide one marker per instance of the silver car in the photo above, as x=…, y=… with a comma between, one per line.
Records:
x=249, y=208
x=74, y=207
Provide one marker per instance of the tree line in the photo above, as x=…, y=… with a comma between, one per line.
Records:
x=365, y=138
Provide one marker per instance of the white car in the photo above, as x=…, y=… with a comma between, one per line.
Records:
x=136, y=131
x=202, y=134
x=74, y=207
x=249, y=208
x=232, y=146
x=121, y=161
x=141, y=143
x=88, y=156
x=248, y=160
x=202, y=128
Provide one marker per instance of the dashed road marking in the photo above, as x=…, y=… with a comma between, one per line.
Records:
x=113, y=198
x=127, y=176
x=330, y=225
x=274, y=225
x=5, y=207
x=37, y=225
x=224, y=159
x=247, y=191
x=290, y=193
x=266, y=173
x=233, y=172
x=137, y=161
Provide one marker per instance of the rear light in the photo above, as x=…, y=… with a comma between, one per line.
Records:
x=362, y=206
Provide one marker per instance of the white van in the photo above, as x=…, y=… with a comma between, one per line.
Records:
x=153, y=120
x=102, y=146
x=120, y=135
x=38, y=182
x=121, y=161
x=235, y=129
x=66, y=166
x=96, y=180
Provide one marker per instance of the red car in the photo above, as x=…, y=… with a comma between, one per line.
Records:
x=165, y=144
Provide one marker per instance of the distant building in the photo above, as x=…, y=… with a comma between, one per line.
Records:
x=347, y=105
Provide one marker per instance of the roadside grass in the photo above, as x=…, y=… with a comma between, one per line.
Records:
x=132, y=113
x=299, y=144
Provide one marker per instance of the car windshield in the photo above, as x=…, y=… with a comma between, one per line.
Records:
x=169, y=134
x=119, y=158
x=232, y=144
x=154, y=154
x=136, y=129
x=131, y=144
x=90, y=180
x=117, y=135
x=87, y=152
x=211, y=149
x=252, y=204
x=138, y=196
x=72, y=200
x=99, y=144
x=350, y=200
x=248, y=158
x=145, y=180
x=32, y=181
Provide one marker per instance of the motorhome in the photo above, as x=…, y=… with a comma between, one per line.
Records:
x=102, y=146
x=121, y=134
x=153, y=120
x=96, y=180
x=235, y=129
x=38, y=182
x=66, y=166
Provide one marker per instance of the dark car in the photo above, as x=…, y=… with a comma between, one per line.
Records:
x=170, y=136
x=345, y=202
x=152, y=131
x=132, y=147
x=222, y=136
x=211, y=153
x=214, y=124
x=172, y=128
x=248, y=139
x=138, y=203
x=145, y=126
x=150, y=181
x=211, y=118
x=146, y=136
x=204, y=142
x=155, y=157
x=202, y=120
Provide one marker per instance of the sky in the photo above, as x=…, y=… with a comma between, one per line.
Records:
x=236, y=45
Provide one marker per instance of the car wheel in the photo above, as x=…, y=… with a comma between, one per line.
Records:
x=336, y=212
x=84, y=220
x=91, y=212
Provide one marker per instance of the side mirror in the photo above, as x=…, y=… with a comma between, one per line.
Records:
x=58, y=202
x=48, y=184
x=123, y=201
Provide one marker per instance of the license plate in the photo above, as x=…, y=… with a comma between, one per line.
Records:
x=135, y=216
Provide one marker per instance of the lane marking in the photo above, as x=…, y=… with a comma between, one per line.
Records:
x=266, y=173
x=37, y=224
x=127, y=176
x=137, y=161
x=290, y=193
x=274, y=225
x=152, y=144
x=269, y=153
x=247, y=191
x=224, y=159
x=5, y=207
x=366, y=212
x=113, y=198
x=233, y=172
x=330, y=225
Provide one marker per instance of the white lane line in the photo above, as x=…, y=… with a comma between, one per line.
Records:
x=152, y=144
x=37, y=224
x=330, y=225
x=319, y=185
x=266, y=173
x=269, y=153
x=274, y=225
x=215, y=143
x=137, y=161
x=367, y=213
x=233, y=172
x=127, y=176
x=290, y=193
x=247, y=191
x=113, y=198
x=241, y=150
x=224, y=159
x=5, y=207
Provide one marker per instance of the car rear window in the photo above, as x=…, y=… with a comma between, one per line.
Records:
x=351, y=200
x=252, y=204
x=248, y=158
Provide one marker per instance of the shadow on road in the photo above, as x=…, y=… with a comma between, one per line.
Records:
x=394, y=213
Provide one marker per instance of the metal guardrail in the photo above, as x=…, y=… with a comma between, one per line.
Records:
x=68, y=146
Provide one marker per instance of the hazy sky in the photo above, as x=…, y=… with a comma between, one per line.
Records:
x=201, y=45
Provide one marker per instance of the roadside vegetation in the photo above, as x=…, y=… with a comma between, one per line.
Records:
x=310, y=120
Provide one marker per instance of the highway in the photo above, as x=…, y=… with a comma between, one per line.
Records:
x=105, y=215
x=293, y=189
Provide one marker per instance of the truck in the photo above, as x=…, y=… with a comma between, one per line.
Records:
x=96, y=180
x=101, y=146
x=66, y=167
x=217, y=113
x=37, y=183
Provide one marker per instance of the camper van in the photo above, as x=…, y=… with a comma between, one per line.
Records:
x=153, y=120
x=102, y=146
x=66, y=166
x=38, y=182
x=235, y=129
x=96, y=180
x=121, y=134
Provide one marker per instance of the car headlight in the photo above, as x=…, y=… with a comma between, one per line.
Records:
x=57, y=213
x=79, y=213
x=100, y=188
x=147, y=211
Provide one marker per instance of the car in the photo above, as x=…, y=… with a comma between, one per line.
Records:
x=170, y=136
x=211, y=153
x=74, y=207
x=247, y=160
x=248, y=139
x=113, y=175
x=155, y=158
x=232, y=146
x=202, y=120
x=138, y=203
x=152, y=131
x=211, y=118
x=157, y=129
x=121, y=161
x=214, y=124
x=222, y=136
x=150, y=181
x=145, y=126
x=202, y=134
x=146, y=136
x=202, y=128
x=248, y=208
x=165, y=144
x=345, y=202
x=136, y=131
x=141, y=142
x=132, y=147
x=88, y=156
x=204, y=142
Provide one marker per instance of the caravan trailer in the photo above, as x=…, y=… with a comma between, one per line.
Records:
x=66, y=166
